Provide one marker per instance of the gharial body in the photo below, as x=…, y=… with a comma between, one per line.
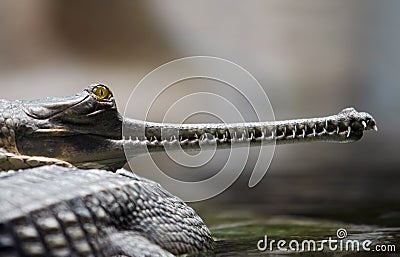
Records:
x=83, y=210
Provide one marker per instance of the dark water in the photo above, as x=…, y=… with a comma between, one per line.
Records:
x=237, y=234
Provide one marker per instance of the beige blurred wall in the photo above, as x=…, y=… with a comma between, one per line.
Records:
x=298, y=51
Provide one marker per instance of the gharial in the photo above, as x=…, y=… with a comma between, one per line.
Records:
x=83, y=210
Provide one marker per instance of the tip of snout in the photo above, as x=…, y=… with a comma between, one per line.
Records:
x=371, y=124
x=368, y=122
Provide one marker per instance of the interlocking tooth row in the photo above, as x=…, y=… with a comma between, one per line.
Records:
x=255, y=133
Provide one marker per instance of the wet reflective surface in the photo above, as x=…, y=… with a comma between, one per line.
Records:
x=238, y=233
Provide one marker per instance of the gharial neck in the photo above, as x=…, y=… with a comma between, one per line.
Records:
x=347, y=126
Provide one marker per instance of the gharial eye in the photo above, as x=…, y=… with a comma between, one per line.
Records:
x=101, y=91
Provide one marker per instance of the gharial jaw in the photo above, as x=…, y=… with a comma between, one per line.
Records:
x=347, y=126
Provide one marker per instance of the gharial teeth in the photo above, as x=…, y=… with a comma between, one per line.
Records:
x=364, y=124
x=348, y=131
x=251, y=136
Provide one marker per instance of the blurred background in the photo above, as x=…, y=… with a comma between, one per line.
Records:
x=312, y=58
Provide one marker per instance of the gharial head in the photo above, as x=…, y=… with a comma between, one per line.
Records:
x=78, y=129
x=86, y=130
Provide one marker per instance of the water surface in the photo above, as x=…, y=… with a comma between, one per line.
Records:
x=237, y=234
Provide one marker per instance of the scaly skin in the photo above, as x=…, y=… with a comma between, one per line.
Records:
x=57, y=211
x=87, y=131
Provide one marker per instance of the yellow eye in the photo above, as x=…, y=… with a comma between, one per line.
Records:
x=101, y=92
